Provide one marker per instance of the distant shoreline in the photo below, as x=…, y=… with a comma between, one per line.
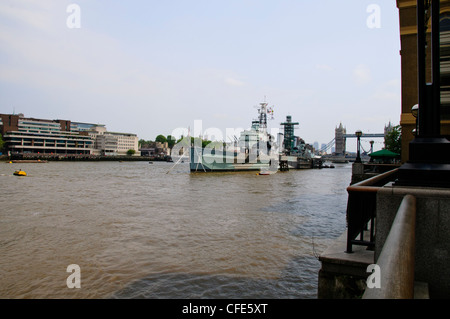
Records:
x=60, y=158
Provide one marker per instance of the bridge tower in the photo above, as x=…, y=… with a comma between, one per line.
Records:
x=340, y=140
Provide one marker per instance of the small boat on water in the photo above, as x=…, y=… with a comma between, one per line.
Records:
x=266, y=173
x=20, y=173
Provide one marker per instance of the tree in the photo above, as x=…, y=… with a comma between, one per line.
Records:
x=205, y=142
x=198, y=141
x=171, y=140
x=1, y=142
x=393, y=140
x=161, y=138
x=142, y=142
x=131, y=152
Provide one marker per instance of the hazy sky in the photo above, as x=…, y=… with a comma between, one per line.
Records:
x=149, y=67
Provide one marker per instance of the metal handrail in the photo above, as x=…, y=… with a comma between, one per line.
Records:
x=396, y=260
x=375, y=181
x=361, y=209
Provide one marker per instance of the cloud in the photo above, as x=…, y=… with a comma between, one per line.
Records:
x=389, y=91
x=233, y=82
x=41, y=52
x=361, y=74
x=35, y=18
x=324, y=67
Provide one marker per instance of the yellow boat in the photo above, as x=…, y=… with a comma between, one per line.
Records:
x=20, y=173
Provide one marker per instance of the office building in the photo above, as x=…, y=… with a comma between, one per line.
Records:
x=35, y=137
x=112, y=143
x=24, y=135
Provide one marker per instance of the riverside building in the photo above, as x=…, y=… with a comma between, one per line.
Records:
x=24, y=135
x=35, y=137
x=112, y=143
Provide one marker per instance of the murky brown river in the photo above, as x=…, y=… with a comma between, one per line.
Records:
x=137, y=231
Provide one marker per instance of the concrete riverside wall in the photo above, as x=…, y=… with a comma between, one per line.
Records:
x=432, y=256
x=343, y=276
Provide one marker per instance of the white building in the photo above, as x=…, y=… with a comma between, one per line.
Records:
x=113, y=143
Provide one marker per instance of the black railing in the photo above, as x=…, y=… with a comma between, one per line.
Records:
x=361, y=210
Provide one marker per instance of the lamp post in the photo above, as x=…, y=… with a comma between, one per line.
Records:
x=358, y=134
x=428, y=164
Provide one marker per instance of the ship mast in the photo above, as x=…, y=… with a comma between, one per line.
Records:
x=263, y=116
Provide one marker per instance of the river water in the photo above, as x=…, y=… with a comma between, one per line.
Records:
x=142, y=230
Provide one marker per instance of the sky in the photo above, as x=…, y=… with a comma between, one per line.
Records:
x=157, y=67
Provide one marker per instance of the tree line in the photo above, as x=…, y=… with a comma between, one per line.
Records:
x=171, y=140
